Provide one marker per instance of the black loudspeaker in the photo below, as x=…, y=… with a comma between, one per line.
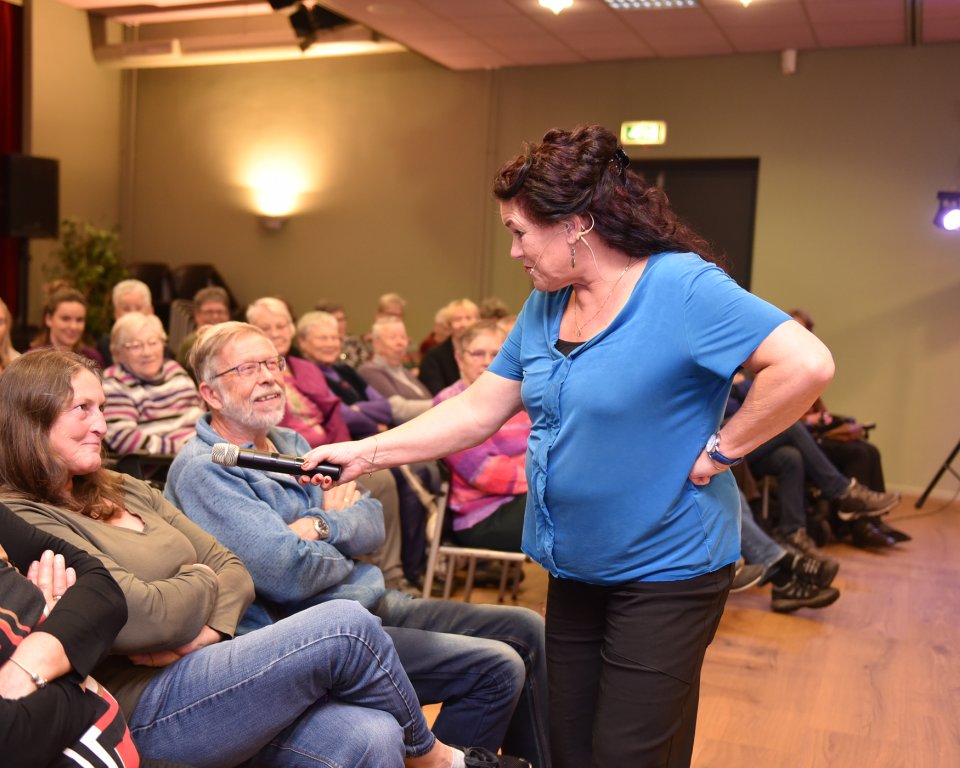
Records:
x=29, y=196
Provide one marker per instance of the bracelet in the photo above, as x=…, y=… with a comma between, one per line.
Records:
x=373, y=461
x=37, y=680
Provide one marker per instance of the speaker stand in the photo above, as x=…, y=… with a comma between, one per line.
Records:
x=936, y=478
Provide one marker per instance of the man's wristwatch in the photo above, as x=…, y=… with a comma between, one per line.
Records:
x=713, y=452
x=322, y=529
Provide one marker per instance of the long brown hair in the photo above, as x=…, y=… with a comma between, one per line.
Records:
x=7, y=352
x=585, y=172
x=34, y=390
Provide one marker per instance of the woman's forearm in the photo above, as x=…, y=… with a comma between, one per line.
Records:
x=791, y=368
x=38, y=654
x=460, y=422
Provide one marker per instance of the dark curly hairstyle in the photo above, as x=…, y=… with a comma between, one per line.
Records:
x=584, y=171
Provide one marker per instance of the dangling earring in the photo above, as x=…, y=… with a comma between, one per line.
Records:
x=573, y=256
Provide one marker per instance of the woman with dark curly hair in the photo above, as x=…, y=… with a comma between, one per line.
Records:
x=623, y=356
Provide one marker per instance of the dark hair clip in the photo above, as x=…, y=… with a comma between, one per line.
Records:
x=622, y=161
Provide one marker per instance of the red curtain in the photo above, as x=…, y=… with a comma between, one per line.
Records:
x=11, y=137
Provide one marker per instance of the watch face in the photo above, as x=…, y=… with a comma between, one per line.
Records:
x=321, y=527
x=712, y=443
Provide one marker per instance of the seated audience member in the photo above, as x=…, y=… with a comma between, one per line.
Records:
x=301, y=554
x=844, y=442
x=391, y=305
x=439, y=369
x=52, y=712
x=488, y=489
x=321, y=687
x=793, y=458
x=799, y=581
x=211, y=305
x=386, y=373
x=64, y=320
x=354, y=350
x=492, y=308
x=127, y=296
x=439, y=334
x=367, y=412
x=152, y=404
x=312, y=410
x=364, y=410
x=7, y=353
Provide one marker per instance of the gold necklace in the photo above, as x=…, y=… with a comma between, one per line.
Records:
x=602, y=303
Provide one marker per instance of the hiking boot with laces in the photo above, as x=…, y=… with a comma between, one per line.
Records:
x=796, y=594
x=859, y=501
x=812, y=570
x=800, y=543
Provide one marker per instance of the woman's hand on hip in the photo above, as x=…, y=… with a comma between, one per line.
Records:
x=703, y=469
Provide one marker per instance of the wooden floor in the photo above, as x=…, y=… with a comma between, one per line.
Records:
x=873, y=681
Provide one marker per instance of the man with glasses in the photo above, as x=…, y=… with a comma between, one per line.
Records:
x=302, y=546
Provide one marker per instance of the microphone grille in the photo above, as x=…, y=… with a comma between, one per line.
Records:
x=225, y=454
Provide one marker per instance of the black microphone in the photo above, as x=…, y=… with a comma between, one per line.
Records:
x=233, y=456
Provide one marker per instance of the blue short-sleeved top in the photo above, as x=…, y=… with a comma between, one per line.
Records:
x=618, y=424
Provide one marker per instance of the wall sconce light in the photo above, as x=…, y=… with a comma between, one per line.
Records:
x=272, y=223
x=556, y=5
x=276, y=186
x=948, y=211
x=643, y=132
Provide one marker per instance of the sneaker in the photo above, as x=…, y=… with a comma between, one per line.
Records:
x=815, y=571
x=746, y=576
x=859, y=501
x=796, y=594
x=800, y=543
x=478, y=757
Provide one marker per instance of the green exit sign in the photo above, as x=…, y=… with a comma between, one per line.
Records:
x=643, y=132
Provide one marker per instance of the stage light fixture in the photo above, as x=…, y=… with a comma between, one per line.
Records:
x=308, y=20
x=948, y=211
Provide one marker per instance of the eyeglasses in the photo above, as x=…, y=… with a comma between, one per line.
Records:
x=245, y=370
x=481, y=354
x=139, y=346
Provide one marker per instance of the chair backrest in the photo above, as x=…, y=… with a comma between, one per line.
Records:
x=190, y=278
x=182, y=323
x=437, y=529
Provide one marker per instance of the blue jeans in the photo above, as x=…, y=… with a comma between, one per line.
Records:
x=792, y=457
x=755, y=545
x=485, y=662
x=323, y=687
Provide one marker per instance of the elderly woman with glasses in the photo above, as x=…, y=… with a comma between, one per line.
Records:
x=488, y=483
x=152, y=404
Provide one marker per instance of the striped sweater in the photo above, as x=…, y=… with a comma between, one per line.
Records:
x=150, y=416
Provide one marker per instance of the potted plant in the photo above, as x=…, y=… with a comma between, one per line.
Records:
x=89, y=259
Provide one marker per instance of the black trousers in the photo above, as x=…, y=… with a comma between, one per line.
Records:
x=856, y=458
x=624, y=669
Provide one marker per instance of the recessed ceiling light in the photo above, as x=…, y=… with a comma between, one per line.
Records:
x=556, y=5
x=650, y=5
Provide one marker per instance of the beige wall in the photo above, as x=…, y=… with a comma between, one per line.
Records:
x=73, y=114
x=397, y=156
x=391, y=151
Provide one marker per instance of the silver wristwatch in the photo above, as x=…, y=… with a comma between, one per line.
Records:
x=322, y=529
